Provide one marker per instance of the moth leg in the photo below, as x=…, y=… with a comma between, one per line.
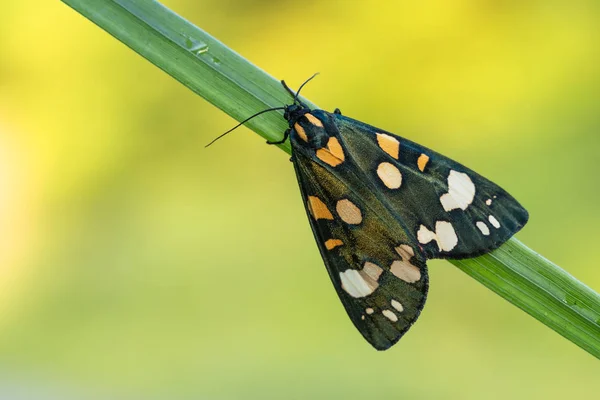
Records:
x=286, y=134
x=337, y=111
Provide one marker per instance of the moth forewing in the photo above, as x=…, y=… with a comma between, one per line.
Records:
x=380, y=205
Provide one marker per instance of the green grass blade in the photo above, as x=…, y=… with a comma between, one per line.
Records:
x=194, y=58
x=542, y=289
x=237, y=87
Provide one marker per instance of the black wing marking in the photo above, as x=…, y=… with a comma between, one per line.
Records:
x=376, y=268
x=452, y=211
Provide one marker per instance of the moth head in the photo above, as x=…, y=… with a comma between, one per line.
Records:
x=293, y=112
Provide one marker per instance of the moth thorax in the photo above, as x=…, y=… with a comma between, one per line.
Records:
x=315, y=137
x=319, y=139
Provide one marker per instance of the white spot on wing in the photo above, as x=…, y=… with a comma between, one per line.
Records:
x=389, y=314
x=369, y=310
x=403, y=268
x=444, y=235
x=461, y=192
x=371, y=270
x=354, y=284
x=361, y=283
x=483, y=227
x=494, y=221
x=396, y=304
x=488, y=202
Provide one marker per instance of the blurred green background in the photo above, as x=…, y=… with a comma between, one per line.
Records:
x=137, y=264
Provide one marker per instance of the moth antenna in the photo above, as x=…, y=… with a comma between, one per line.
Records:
x=243, y=122
x=301, y=86
x=296, y=94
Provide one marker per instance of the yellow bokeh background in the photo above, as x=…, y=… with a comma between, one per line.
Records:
x=137, y=264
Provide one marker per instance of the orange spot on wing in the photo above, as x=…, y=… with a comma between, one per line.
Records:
x=333, y=154
x=313, y=120
x=422, y=162
x=318, y=209
x=301, y=132
x=333, y=243
x=389, y=144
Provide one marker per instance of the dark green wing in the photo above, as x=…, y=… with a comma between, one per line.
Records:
x=380, y=205
x=377, y=270
x=452, y=211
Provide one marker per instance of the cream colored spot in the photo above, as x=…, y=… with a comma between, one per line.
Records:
x=461, y=192
x=444, y=235
x=361, y=283
x=422, y=162
x=488, y=202
x=396, y=304
x=348, y=212
x=389, y=175
x=362, y=317
x=389, y=314
x=369, y=310
x=494, y=221
x=318, y=209
x=483, y=228
x=405, y=271
x=333, y=154
x=403, y=268
x=313, y=120
x=354, y=284
x=301, y=132
x=333, y=243
x=372, y=270
x=405, y=251
x=389, y=144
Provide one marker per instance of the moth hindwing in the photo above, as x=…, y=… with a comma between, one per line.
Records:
x=380, y=205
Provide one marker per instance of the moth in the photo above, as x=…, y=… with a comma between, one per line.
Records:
x=380, y=206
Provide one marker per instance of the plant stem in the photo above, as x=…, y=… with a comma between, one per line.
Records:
x=237, y=87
